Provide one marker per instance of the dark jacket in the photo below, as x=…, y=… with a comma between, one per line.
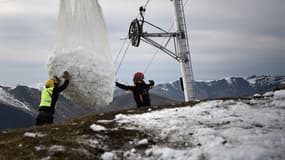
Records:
x=57, y=89
x=140, y=91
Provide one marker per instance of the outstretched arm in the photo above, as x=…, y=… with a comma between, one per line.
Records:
x=66, y=78
x=62, y=87
x=124, y=87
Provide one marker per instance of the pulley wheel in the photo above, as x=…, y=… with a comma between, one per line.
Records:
x=135, y=32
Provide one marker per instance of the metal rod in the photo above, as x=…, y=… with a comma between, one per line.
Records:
x=145, y=34
x=155, y=26
x=157, y=45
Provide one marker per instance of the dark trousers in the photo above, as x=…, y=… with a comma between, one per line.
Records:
x=44, y=117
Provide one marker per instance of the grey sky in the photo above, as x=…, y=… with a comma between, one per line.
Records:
x=227, y=38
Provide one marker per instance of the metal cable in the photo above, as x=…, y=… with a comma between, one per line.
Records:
x=118, y=55
x=146, y=3
x=123, y=44
x=122, y=59
x=157, y=51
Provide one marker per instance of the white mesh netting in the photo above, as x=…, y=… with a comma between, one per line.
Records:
x=82, y=49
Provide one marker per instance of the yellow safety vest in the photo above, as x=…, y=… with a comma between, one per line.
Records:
x=46, y=97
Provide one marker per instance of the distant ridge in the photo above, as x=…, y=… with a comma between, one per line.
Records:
x=22, y=101
x=227, y=87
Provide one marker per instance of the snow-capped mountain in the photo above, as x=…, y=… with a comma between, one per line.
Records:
x=8, y=99
x=227, y=87
x=170, y=90
x=19, y=107
x=23, y=100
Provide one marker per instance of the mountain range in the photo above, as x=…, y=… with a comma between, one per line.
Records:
x=19, y=105
x=227, y=87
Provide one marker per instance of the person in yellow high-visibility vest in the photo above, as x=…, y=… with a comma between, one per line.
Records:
x=49, y=96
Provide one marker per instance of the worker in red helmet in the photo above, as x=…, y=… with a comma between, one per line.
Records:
x=140, y=89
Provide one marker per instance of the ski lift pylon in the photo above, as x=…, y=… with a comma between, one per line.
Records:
x=181, y=44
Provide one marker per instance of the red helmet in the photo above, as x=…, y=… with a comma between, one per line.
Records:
x=138, y=76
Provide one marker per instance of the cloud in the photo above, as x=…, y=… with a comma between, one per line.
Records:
x=25, y=40
x=227, y=37
x=28, y=7
x=212, y=40
x=21, y=73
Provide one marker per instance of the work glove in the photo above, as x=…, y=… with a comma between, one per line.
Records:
x=66, y=75
x=151, y=82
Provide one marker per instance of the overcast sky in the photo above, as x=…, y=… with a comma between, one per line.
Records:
x=227, y=38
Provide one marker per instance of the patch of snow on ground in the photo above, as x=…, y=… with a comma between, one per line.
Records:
x=46, y=158
x=97, y=128
x=94, y=143
x=142, y=142
x=279, y=94
x=108, y=156
x=268, y=94
x=279, y=99
x=104, y=121
x=215, y=130
x=131, y=155
x=164, y=153
x=40, y=148
x=56, y=148
x=34, y=135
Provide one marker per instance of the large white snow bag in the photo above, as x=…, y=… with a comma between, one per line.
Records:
x=82, y=49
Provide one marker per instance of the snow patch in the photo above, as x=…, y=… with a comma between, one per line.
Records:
x=245, y=129
x=229, y=80
x=97, y=128
x=34, y=135
x=164, y=89
x=56, y=148
x=108, y=156
x=252, y=81
x=164, y=153
x=142, y=142
x=131, y=155
x=268, y=94
x=105, y=121
x=279, y=94
x=46, y=158
x=94, y=143
x=40, y=148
